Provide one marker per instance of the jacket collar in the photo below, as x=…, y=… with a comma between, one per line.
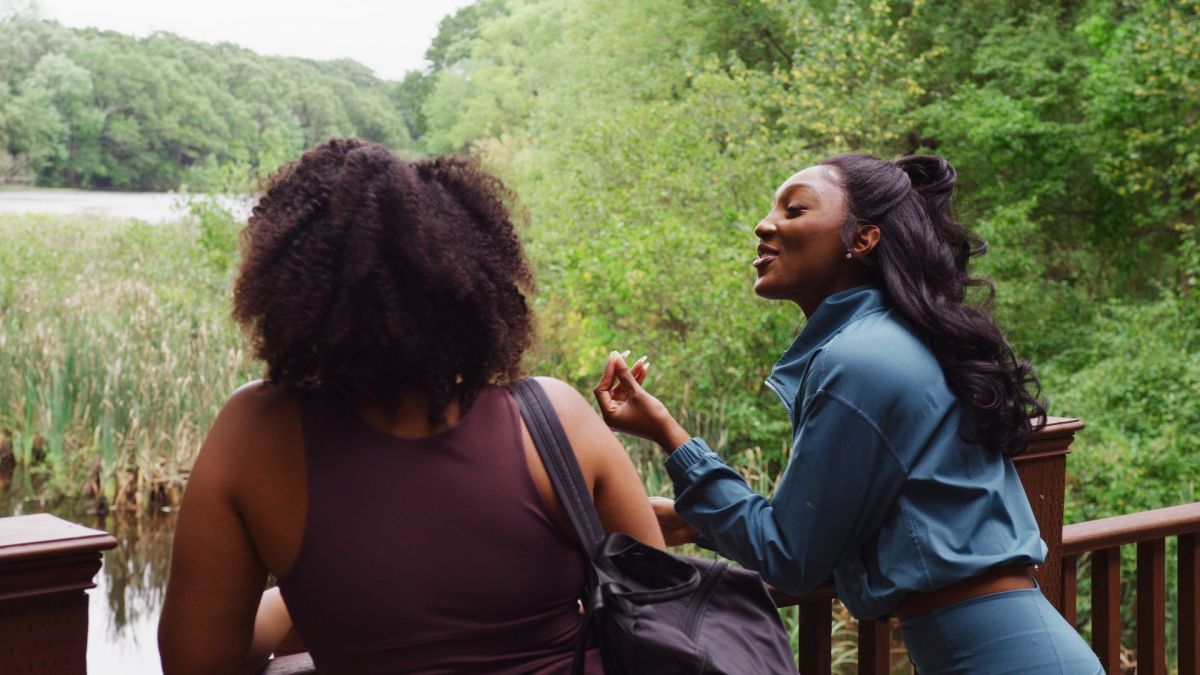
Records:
x=832, y=315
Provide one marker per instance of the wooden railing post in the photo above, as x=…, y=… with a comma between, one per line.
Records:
x=874, y=647
x=1106, y=607
x=1189, y=604
x=46, y=565
x=816, y=628
x=1152, y=607
x=1069, y=589
x=1043, y=472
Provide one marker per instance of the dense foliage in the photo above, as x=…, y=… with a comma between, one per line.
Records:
x=88, y=108
x=645, y=137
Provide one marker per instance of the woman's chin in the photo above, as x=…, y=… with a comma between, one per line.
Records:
x=763, y=288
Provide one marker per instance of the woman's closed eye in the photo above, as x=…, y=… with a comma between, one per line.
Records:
x=795, y=210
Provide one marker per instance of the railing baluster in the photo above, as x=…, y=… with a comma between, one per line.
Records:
x=874, y=647
x=816, y=626
x=1070, y=588
x=1106, y=607
x=1189, y=604
x=1151, y=607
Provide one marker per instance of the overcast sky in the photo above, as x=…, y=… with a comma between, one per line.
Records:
x=388, y=36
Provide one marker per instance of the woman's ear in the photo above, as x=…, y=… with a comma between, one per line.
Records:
x=865, y=239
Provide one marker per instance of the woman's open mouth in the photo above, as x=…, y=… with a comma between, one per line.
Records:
x=765, y=255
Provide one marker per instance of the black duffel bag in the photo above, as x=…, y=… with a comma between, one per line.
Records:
x=650, y=611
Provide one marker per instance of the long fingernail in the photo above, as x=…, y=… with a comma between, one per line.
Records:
x=625, y=354
x=640, y=360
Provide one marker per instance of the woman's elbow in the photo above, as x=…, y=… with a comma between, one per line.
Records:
x=183, y=652
x=790, y=573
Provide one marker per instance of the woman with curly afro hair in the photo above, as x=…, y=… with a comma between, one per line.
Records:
x=381, y=472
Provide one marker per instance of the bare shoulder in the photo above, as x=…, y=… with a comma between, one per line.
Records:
x=258, y=399
x=562, y=395
x=258, y=422
x=589, y=435
x=257, y=403
x=574, y=411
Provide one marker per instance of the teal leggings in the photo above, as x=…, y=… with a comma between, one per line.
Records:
x=1010, y=632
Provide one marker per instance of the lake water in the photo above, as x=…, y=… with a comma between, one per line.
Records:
x=151, y=207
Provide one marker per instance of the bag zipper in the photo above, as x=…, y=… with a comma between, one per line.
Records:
x=691, y=618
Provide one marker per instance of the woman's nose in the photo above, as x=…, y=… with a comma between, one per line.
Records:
x=764, y=229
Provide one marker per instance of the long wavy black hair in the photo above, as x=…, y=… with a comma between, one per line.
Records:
x=364, y=274
x=921, y=261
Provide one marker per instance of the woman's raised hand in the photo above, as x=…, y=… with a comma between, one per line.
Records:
x=628, y=408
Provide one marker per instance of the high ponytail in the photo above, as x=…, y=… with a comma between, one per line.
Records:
x=921, y=261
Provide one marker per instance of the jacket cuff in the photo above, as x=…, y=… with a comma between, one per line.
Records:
x=685, y=457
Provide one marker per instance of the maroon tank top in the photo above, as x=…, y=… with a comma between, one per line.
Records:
x=431, y=555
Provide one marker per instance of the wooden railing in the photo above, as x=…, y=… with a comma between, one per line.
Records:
x=46, y=567
x=1043, y=469
x=1148, y=530
x=1103, y=539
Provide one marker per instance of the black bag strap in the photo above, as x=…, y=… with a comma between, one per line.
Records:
x=559, y=458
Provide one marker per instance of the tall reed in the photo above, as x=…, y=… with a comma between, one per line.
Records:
x=116, y=350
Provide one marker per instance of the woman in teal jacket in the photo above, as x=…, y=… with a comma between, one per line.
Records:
x=906, y=405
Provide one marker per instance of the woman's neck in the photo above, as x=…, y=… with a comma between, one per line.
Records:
x=852, y=278
x=410, y=419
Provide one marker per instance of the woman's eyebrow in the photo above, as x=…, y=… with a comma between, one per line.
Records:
x=787, y=190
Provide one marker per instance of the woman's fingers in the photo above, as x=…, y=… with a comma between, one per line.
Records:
x=603, y=390
x=616, y=388
x=625, y=377
x=639, y=370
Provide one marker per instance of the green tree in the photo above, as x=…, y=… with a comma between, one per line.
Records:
x=99, y=109
x=35, y=128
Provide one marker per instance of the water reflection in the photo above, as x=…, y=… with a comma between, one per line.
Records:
x=124, y=607
x=151, y=207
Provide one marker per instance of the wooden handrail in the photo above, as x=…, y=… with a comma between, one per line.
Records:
x=1130, y=529
x=46, y=565
x=1149, y=530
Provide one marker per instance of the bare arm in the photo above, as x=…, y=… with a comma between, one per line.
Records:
x=215, y=592
x=272, y=623
x=620, y=497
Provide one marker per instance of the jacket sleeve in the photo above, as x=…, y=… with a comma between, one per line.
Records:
x=842, y=478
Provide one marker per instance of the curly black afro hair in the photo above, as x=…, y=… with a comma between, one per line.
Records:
x=364, y=275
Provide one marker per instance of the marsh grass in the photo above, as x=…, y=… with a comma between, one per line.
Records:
x=117, y=351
